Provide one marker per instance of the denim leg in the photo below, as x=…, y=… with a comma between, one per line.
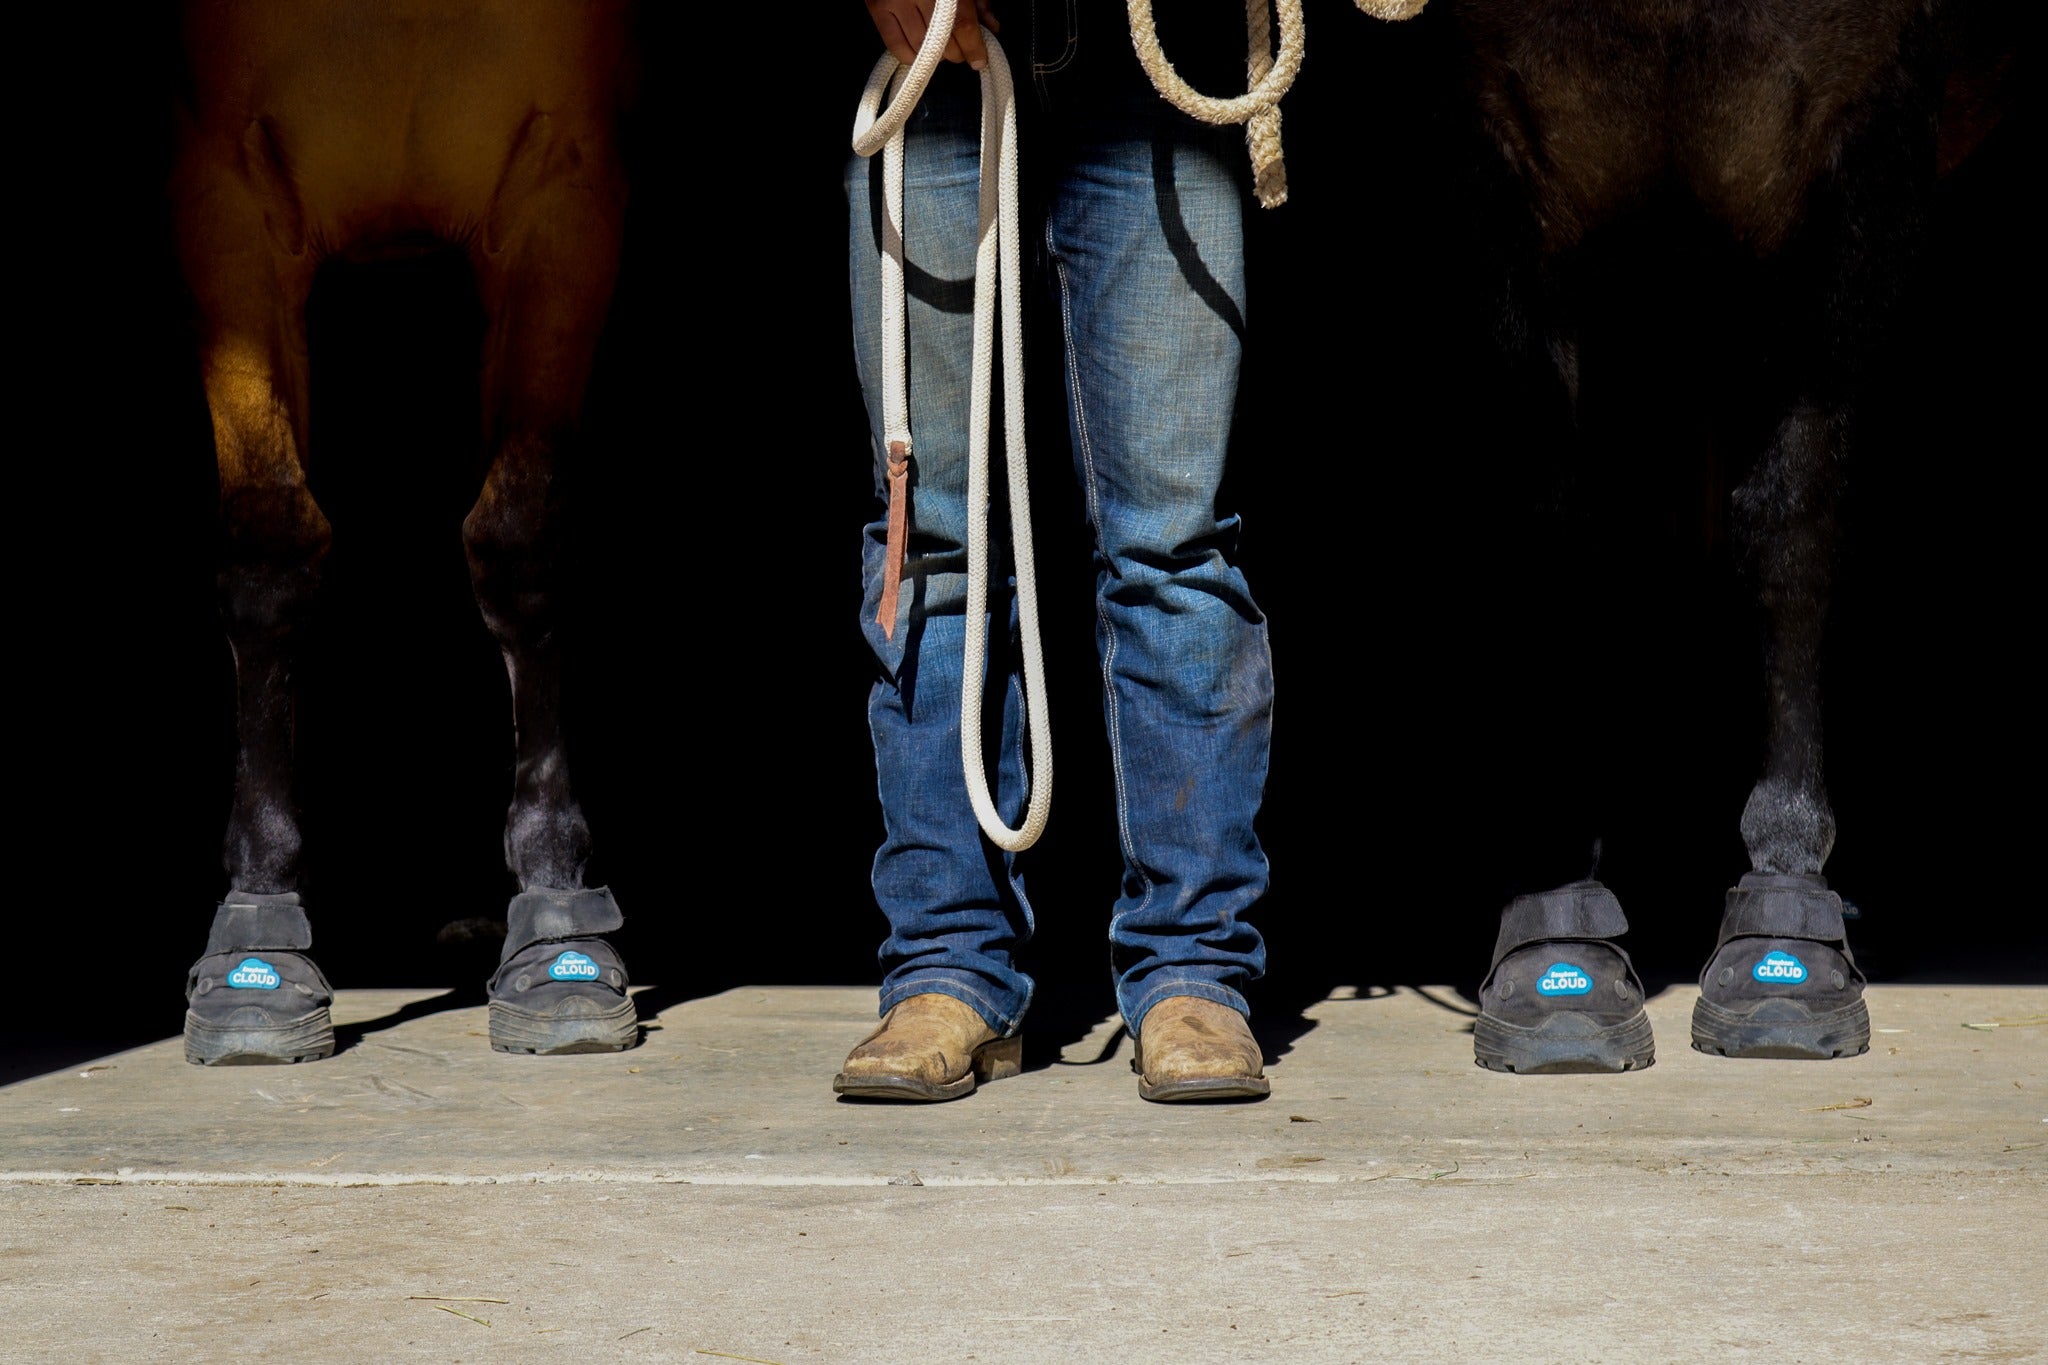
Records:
x=1144, y=238
x=954, y=903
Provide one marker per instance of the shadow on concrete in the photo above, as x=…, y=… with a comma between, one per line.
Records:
x=46, y=1056
x=347, y=1036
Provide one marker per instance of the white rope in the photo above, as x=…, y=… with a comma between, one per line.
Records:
x=997, y=263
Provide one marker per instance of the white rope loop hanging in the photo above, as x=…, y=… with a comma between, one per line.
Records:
x=997, y=267
x=872, y=128
x=1258, y=108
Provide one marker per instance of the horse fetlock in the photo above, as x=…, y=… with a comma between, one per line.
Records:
x=546, y=843
x=279, y=525
x=265, y=602
x=1788, y=827
x=261, y=851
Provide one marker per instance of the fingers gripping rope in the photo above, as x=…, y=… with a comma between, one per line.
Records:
x=997, y=264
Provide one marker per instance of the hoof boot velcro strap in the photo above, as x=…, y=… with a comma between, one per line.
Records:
x=1582, y=910
x=547, y=916
x=1776, y=905
x=246, y=920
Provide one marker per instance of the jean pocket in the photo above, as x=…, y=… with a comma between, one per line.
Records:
x=1055, y=35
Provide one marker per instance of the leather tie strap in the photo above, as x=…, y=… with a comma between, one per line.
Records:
x=899, y=536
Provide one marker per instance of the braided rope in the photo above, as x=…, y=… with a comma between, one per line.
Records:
x=872, y=130
x=1258, y=108
x=998, y=261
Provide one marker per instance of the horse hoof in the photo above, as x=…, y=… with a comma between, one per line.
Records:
x=572, y=1025
x=1566, y=1043
x=1783, y=1029
x=560, y=987
x=1562, y=996
x=258, y=1041
x=255, y=998
x=1782, y=982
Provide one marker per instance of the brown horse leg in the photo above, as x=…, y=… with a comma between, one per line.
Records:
x=250, y=287
x=254, y=996
x=545, y=265
x=545, y=290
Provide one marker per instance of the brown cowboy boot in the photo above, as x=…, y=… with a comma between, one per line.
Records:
x=1196, y=1049
x=928, y=1047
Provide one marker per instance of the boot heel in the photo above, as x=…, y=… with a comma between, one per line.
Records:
x=999, y=1060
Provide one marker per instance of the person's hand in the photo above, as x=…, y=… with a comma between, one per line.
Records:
x=902, y=24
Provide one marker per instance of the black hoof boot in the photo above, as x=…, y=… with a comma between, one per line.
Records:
x=1560, y=996
x=560, y=988
x=255, y=998
x=1781, y=982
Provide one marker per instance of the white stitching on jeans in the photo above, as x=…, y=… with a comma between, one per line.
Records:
x=1116, y=752
x=1039, y=68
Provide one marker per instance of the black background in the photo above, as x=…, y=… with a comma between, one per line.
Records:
x=718, y=679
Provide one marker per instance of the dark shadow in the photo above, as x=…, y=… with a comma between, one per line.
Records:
x=35, y=1057
x=656, y=1000
x=1117, y=1038
x=1166, y=196
x=937, y=292
x=347, y=1036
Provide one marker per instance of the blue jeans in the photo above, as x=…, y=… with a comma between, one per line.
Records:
x=1142, y=220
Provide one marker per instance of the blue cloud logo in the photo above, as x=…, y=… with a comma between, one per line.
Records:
x=1563, y=978
x=573, y=967
x=1779, y=968
x=254, y=974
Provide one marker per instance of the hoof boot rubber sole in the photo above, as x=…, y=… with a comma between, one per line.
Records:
x=993, y=1061
x=306, y=1039
x=1782, y=1029
x=1564, y=1044
x=548, y=1035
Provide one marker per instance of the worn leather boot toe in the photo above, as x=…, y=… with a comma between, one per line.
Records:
x=1197, y=1049
x=928, y=1047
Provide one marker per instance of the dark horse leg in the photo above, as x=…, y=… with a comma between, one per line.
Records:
x=545, y=264
x=254, y=995
x=1781, y=981
x=1560, y=994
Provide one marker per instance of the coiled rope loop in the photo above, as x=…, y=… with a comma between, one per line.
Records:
x=1258, y=108
x=997, y=264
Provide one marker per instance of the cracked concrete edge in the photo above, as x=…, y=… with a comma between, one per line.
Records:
x=398, y=1180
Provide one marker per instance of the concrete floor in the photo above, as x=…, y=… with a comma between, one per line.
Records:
x=705, y=1197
